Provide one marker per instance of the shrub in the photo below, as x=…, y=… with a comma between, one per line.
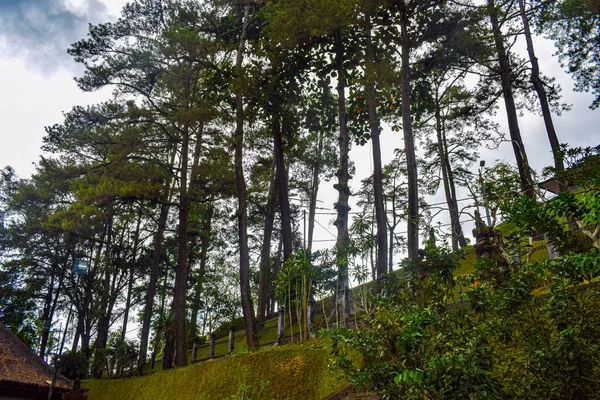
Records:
x=505, y=343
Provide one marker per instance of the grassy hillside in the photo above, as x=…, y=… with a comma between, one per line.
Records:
x=286, y=372
x=266, y=335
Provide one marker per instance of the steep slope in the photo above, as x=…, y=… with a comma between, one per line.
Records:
x=286, y=372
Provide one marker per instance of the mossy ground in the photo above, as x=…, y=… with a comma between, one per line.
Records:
x=267, y=335
x=284, y=372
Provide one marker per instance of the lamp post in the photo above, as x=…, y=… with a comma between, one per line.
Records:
x=487, y=210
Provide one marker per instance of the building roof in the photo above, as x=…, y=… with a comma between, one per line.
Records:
x=551, y=185
x=21, y=366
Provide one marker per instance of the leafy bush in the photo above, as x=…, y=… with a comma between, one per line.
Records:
x=121, y=354
x=505, y=343
x=74, y=365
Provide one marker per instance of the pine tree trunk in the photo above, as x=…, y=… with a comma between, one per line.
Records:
x=376, y=146
x=343, y=175
x=509, y=102
x=391, y=228
x=265, y=253
x=245, y=294
x=151, y=293
x=87, y=314
x=169, y=349
x=282, y=188
x=273, y=287
x=541, y=92
x=104, y=317
x=131, y=275
x=46, y=318
x=181, y=270
x=204, y=234
x=409, y=144
x=391, y=251
x=314, y=191
x=457, y=234
x=78, y=330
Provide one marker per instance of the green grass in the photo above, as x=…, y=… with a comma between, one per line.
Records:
x=466, y=264
x=265, y=336
x=506, y=228
x=540, y=253
x=284, y=372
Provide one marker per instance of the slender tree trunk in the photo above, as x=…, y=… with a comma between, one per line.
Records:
x=46, y=318
x=195, y=306
x=343, y=175
x=205, y=237
x=154, y=267
x=181, y=270
x=541, y=92
x=457, y=234
x=392, y=227
x=265, y=253
x=409, y=143
x=104, y=318
x=314, y=191
x=151, y=293
x=275, y=272
x=245, y=294
x=509, y=102
x=204, y=234
x=87, y=314
x=131, y=274
x=78, y=330
x=456, y=214
x=372, y=248
x=169, y=349
x=69, y=244
x=54, y=304
x=282, y=188
x=377, y=167
x=391, y=250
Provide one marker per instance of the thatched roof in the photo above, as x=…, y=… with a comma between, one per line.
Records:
x=19, y=365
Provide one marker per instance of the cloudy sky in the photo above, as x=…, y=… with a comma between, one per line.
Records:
x=36, y=87
x=36, y=74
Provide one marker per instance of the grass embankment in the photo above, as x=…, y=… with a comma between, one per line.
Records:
x=266, y=335
x=539, y=254
x=286, y=372
x=290, y=372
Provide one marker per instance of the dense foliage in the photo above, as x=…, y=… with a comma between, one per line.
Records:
x=520, y=330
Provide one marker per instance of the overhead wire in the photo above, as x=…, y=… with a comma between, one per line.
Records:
x=399, y=233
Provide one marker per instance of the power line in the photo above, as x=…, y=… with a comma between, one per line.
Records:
x=328, y=231
x=399, y=233
x=359, y=212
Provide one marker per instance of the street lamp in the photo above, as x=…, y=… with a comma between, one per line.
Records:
x=487, y=210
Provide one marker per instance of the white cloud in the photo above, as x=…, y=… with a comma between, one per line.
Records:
x=29, y=102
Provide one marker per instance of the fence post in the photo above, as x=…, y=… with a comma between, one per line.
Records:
x=231, y=338
x=213, y=339
x=280, y=325
x=195, y=350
